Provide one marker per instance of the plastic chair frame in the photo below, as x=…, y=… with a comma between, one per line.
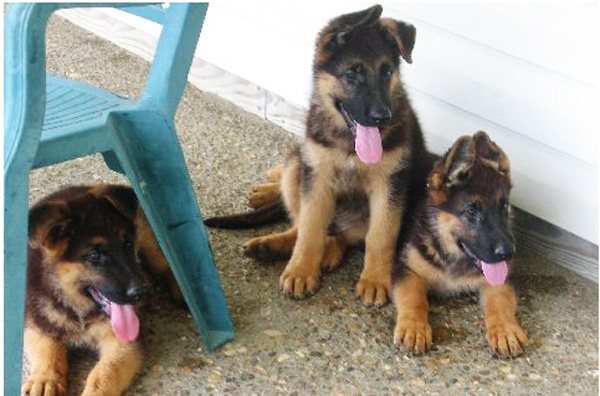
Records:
x=138, y=138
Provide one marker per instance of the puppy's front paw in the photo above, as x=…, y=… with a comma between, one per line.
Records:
x=413, y=336
x=44, y=385
x=299, y=282
x=506, y=339
x=373, y=292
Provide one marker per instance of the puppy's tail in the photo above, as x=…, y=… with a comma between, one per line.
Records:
x=271, y=213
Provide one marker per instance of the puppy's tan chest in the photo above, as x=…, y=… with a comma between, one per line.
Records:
x=349, y=177
x=351, y=174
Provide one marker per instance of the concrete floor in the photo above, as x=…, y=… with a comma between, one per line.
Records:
x=329, y=344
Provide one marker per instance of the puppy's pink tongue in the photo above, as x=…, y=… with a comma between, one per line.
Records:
x=125, y=322
x=368, y=144
x=495, y=273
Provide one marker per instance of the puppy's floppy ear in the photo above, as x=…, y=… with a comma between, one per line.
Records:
x=50, y=223
x=121, y=198
x=490, y=154
x=403, y=34
x=338, y=32
x=453, y=168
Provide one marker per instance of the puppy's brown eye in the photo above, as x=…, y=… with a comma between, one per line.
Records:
x=92, y=257
x=354, y=75
x=351, y=75
x=472, y=210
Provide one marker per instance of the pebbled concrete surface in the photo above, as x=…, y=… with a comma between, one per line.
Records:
x=328, y=344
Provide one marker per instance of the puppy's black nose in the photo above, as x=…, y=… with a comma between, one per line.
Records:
x=504, y=252
x=380, y=115
x=137, y=291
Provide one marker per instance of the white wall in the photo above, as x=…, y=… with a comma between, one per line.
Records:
x=525, y=73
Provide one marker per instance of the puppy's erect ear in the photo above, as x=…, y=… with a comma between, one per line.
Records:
x=50, y=223
x=338, y=32
x=121, y=198
x=490, y=154
x=453, y=169
x=403, y=34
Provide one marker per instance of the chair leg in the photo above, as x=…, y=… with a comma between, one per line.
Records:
x=15, y=275
x=112, y=162
x=149, y=152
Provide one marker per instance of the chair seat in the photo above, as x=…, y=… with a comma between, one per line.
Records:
x=75, y=113
x=70, y=103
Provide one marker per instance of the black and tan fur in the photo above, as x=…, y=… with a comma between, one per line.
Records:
x=463, y=220
x=333, y=199
x=80, y=238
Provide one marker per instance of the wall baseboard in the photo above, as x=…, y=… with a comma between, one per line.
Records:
x=556, y=245
x=544, y=239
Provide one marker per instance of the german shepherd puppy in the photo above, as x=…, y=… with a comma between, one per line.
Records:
x=84, y=280
x=461, y=240
x=351, y=180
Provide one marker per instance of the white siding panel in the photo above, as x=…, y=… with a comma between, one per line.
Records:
x=300, y=20
x=256, y=52
x=523, y=97
x=542, y=34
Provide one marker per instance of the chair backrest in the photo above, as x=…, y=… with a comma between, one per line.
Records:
x=173, y=58
x=25, y=65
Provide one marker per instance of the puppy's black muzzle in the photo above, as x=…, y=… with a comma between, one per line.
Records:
x=380, y=115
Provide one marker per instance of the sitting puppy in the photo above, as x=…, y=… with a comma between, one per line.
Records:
x=84, y=280
x=460, y=240
x=352, y=179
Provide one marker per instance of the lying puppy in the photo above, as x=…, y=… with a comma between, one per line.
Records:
x=352, y=179
x=461, y=241
x=84, y=281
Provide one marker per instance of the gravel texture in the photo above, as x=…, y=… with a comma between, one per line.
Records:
x=328, y=344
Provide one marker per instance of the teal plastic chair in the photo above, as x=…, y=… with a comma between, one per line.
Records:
x=49, y=119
